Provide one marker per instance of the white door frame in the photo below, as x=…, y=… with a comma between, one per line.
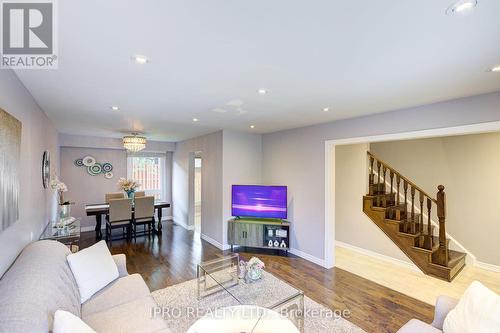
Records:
x=329, y=254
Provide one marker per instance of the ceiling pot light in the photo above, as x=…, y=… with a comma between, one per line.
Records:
x=134, y=143
x=115, y=108
x=196, y=120
x=141, y=59
x=461, y=7
x=326, y=109
x=262, y=91
x=252, y=126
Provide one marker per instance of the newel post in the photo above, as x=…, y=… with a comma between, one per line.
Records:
x=441, y=213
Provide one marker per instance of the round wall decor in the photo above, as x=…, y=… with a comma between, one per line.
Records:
x=88, y=161
x=107, y=167
x=94, y=169
x=108, y=175
x=46, y=169
x=79, y=162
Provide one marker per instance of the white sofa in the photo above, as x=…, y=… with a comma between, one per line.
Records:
x=40, y=282
x=444, y=305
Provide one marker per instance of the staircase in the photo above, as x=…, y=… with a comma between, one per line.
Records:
x=392, y=204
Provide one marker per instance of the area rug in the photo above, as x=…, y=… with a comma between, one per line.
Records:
x=179, y=306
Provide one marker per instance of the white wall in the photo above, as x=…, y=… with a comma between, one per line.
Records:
x=37, y=205
x=242, y=164
x=352, y=226
x=296, y=157
x=210, y=148
x=469, y=167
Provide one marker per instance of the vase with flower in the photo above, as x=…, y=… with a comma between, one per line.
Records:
x=254, y=269
x=128, y=186
x=64, y=205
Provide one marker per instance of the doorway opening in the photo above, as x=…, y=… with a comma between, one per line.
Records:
x=197, y=194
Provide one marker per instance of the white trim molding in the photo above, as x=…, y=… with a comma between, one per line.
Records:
x=215, y=243
x=486, y=266
x=185, y=226
x=379, y=256
x=309, y=257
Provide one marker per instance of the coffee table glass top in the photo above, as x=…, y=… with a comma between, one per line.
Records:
x=222, y=276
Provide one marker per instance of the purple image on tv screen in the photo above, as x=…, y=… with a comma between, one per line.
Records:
x=259, y=201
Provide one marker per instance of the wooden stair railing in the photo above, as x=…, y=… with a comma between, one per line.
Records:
x=404, y=226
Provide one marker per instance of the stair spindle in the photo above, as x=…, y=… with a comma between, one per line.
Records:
x=398, y=181
x=429, y=229
x=378, y=171
x=384, y=171
x=405, y=188
x=412, y=223
x=371, y=174
x=421, y=219
x=391, y=175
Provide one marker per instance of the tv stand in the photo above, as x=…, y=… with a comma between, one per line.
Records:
x=259, y=233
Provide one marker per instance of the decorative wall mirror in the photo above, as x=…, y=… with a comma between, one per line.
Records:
x=46, y=169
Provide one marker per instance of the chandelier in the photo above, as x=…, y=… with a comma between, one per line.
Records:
x=134, y=142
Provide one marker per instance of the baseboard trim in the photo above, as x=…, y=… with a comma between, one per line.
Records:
x=379, y=256
x=308, y=257
x=488, y=267
x=214, y=242
x=185, y=226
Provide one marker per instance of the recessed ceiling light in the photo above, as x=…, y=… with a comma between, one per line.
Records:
x=252, y=126
x=196, y=120
x=115, y=108
x=326, y=109
x=461, y=7
x=141, y=59
x=495, y=69
x=262, y=91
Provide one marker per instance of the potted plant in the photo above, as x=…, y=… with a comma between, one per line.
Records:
x=65, y=205
x=129, y=186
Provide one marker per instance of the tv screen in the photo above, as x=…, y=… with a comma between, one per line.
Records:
x=259, y=201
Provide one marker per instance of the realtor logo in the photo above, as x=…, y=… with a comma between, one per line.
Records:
x=28, y=35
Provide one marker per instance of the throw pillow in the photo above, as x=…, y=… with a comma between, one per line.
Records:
x=93, y=269
x=477, y=311
x=66, y=322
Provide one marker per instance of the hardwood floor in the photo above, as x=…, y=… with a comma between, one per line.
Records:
x=172, y=259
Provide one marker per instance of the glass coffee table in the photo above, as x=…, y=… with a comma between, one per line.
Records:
x=67, y=233
x=222, y=276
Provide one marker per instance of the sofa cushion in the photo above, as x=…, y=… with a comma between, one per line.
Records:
x=122, y=290
x=132, y=317
x=37, y=284
x=65, y=322
x=417, y=326
x=93, y=269
x=477, y=311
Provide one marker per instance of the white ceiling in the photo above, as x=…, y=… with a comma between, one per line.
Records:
x=355, y=56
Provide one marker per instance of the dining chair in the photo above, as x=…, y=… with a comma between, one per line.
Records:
x=114, y=195
x=140, y=194
x=144, y=214
x=120, y=216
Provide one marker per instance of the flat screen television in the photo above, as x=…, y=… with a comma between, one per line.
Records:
x=259, y=201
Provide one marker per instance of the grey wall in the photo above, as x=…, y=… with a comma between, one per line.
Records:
x=210, y=148
x=242, y=164
x=37, y=205
x=296, y=157
x=469, y=167
x=86, y=189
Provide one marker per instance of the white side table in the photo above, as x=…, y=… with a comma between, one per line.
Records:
x=243, y=319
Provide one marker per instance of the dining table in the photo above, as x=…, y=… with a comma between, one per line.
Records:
x=98, y=210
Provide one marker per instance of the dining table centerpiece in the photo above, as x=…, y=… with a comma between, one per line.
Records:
x=128, y=186
x=64, y=205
